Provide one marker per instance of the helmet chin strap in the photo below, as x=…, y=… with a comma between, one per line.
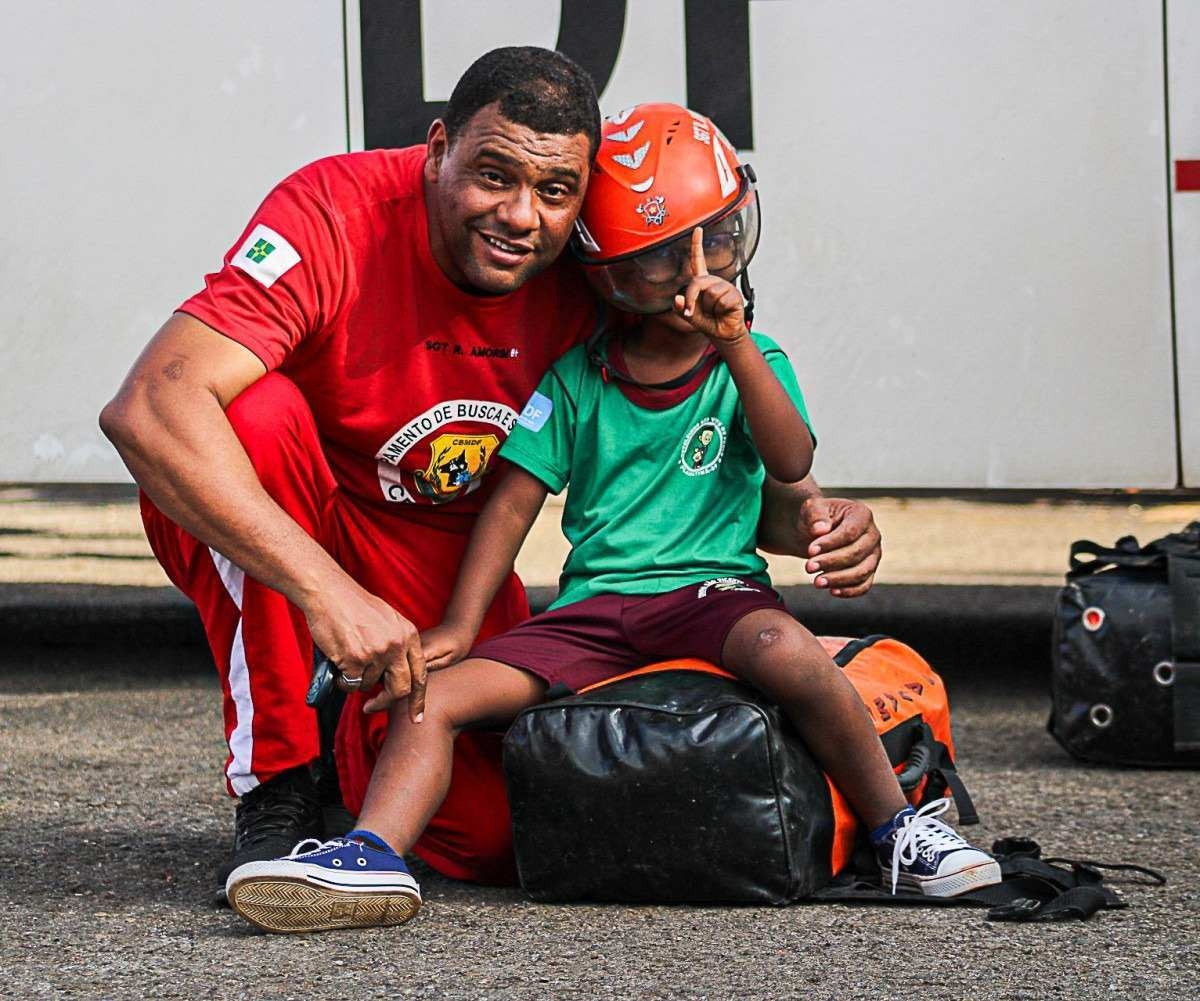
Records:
x=748, y=295
x=609, y=374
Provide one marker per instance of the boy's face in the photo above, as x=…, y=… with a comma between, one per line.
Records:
x=502, y=199
x=649, y=282
x=643, y=295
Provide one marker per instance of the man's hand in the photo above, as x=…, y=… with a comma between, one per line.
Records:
x=845, y=547
x=710, y=303
x=366, y=638
x=445, y=645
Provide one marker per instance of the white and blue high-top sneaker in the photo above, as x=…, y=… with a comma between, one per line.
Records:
x=343, y=883
x=923, y=853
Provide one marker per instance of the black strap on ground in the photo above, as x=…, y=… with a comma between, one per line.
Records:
x=1078, y=903
x=1031, y=888
x=1155, y=877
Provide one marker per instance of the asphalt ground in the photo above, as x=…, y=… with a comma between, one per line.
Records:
x=113, y=819
x=113, y=816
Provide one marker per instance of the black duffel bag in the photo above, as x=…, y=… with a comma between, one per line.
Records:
x=676, y=786
x=1125, y=678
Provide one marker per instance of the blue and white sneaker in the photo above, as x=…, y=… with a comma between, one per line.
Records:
x=342, y=883
x=924, y=854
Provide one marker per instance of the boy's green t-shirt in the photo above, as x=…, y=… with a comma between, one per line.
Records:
x=658, y=499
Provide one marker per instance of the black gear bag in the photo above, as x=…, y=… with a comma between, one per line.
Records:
x=671, y=784
x=677, y=787
x=1125, y=679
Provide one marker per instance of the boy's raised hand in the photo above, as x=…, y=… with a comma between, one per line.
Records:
x=710, y=304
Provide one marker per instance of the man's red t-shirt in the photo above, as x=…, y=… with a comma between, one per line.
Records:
x=414, y=382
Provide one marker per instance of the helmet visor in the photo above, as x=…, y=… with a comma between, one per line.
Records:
x=647, y=282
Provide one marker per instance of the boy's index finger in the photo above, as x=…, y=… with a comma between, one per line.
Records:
x=699, y=267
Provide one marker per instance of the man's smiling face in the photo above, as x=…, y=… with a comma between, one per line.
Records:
x=502, y=199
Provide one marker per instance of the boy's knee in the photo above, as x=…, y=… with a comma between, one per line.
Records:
x=768, y=639
x=780, y=640
x=787, y=644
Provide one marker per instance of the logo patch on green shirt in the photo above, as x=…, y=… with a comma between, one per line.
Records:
x=703, y=447
x=537, y=411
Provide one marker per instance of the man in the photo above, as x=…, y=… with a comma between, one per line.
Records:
x=312, y=434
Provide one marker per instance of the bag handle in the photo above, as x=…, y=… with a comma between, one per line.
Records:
x=929, y=757
x=1126, y=553
x=919, y=760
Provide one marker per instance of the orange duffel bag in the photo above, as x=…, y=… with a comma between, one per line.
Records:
x=908, y=705
x=677, y=783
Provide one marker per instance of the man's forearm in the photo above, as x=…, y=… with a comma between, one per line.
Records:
x=837, y=537
x=182, y=451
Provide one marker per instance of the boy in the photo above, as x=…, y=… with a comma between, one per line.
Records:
x=665, y=424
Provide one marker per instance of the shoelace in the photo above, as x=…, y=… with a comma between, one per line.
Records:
x=301, y=849
x=320, y=846
x=922, y=832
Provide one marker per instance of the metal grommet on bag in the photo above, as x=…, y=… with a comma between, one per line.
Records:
x=1164, y=673
x=1101, y=715
x=1093, y=618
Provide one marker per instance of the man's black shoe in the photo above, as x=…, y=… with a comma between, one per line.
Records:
x=272, y=819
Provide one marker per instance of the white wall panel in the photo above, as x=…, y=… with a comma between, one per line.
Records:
x=137, y=140
x=651, y=63
x=1183, y=62
x=965, y=238
x=965, y=244
x=454, y=35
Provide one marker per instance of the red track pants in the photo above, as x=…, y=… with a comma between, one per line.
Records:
x=263, y=650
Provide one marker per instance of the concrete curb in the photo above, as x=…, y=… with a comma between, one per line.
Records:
x=958, y=628
x=97, y=615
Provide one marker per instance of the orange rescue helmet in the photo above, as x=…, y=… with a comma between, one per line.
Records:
x=662, y=170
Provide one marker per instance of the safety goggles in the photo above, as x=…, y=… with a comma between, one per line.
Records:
x=648, y=281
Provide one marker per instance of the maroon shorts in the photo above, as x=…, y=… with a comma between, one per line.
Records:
x=598, y=638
